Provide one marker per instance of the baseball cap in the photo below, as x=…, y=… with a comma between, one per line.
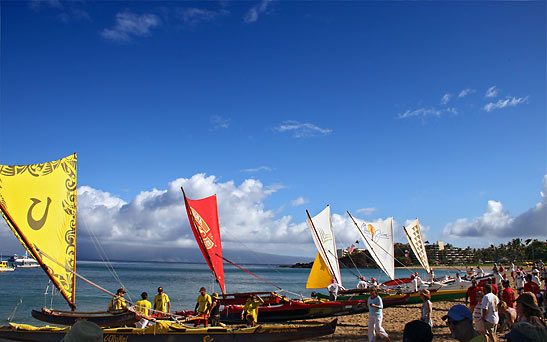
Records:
x=458, y=312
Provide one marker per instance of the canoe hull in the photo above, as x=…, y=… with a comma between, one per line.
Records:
x=180, y=333
x=104, y=319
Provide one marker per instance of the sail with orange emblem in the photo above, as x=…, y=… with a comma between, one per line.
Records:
x=38, y=202
x=203, y=216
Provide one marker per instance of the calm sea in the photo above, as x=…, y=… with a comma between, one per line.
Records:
x=180, y=281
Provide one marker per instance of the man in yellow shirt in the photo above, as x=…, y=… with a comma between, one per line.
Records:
x=162, y=305
x=250, y=310
x=143, y=306
x=117, y=302
x=203, y=305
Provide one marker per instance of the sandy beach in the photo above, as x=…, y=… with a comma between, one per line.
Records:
x=355, y=327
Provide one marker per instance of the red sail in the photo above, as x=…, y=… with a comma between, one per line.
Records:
x=203, y=216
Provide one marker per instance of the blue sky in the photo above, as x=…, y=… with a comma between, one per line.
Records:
x=434, y=110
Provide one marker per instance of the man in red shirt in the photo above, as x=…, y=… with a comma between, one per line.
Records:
x=471, y=294
x=530, y=286
x=508, y=295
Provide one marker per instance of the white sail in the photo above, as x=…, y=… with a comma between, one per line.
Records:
x=379, y=240
x=414, y=236
x=323, y=236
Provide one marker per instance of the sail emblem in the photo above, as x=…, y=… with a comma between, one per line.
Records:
x=37, y=224
x=325, y=237
x=375, y=234
x=204, y=229
x=372, y=230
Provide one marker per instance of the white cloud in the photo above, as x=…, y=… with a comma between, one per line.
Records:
x=427, y=112
x=130, y=24
x=193, y=16
x=465, y=92
x=218, y=122
x=257, y=169
x=299, y=201
x=498, y=223
x=252, y=14
x=446, y=98
x=508, y=102
x=366, y=211
x=302, y=130
x=492, y=92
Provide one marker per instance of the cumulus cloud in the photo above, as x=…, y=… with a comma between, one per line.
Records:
x=492, y=92
x=498, y=222
x=465, y=92
x=508, y=102
x=446, y=98
x=254, y=12
x=299, y=201
x=302, y=130
x=427, y=112
x=129, y=25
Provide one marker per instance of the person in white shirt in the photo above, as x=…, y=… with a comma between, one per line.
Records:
x=498, y=278
x=458, y=278
x=373, y=282
x=362, y=284
x=535, y=277
x=413, y=283
x=431, y=275
x=333, y=289
x=480, y=272
x=490, y=315
x=520, y=281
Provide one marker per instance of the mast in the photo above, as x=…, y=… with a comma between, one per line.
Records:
x=323, y=248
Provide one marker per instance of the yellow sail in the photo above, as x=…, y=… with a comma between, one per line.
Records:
x=39, y=204
x=319, y=275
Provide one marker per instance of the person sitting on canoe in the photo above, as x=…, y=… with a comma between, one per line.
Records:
x=362, y=284
x=333, y=289
x=117, y=302
x=143, y=306
x=162, y=305
x=203, y=305
x=250, y=310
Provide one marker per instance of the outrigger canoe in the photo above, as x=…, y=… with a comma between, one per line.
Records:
x=101, y=318
x=170, y=332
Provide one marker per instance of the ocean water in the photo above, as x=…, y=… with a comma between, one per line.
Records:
x=24, y=289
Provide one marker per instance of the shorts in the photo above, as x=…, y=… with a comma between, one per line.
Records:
x=490, y=328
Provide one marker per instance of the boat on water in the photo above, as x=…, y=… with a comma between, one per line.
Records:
x=164, y=331
x=23, y=261
x=204, y=221
x=39, y=205
x=5, y=267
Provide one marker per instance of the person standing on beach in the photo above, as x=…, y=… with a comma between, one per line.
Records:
x=508, y=295
x=520, y=281
x=162, y=304
x=375, y=316
x=460, y=322
x=490, y=313
x=513, y=271
x=427, y=307
x=477, y=313
x=471, y=294
x=530, y=285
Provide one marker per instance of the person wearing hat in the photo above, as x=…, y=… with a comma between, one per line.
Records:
x=214, y=315
x=333, y=289
x=143, y=306
x=362, y=284
x=527, y=332
x=375, y=316
x=460, y=322
x=250, y=310
x=203, y=303
x=117, y=302
x=84, y=331
x=490, y=315
x=373, y=282
x=162, y=304
x=427, y=307
x=528, y=309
